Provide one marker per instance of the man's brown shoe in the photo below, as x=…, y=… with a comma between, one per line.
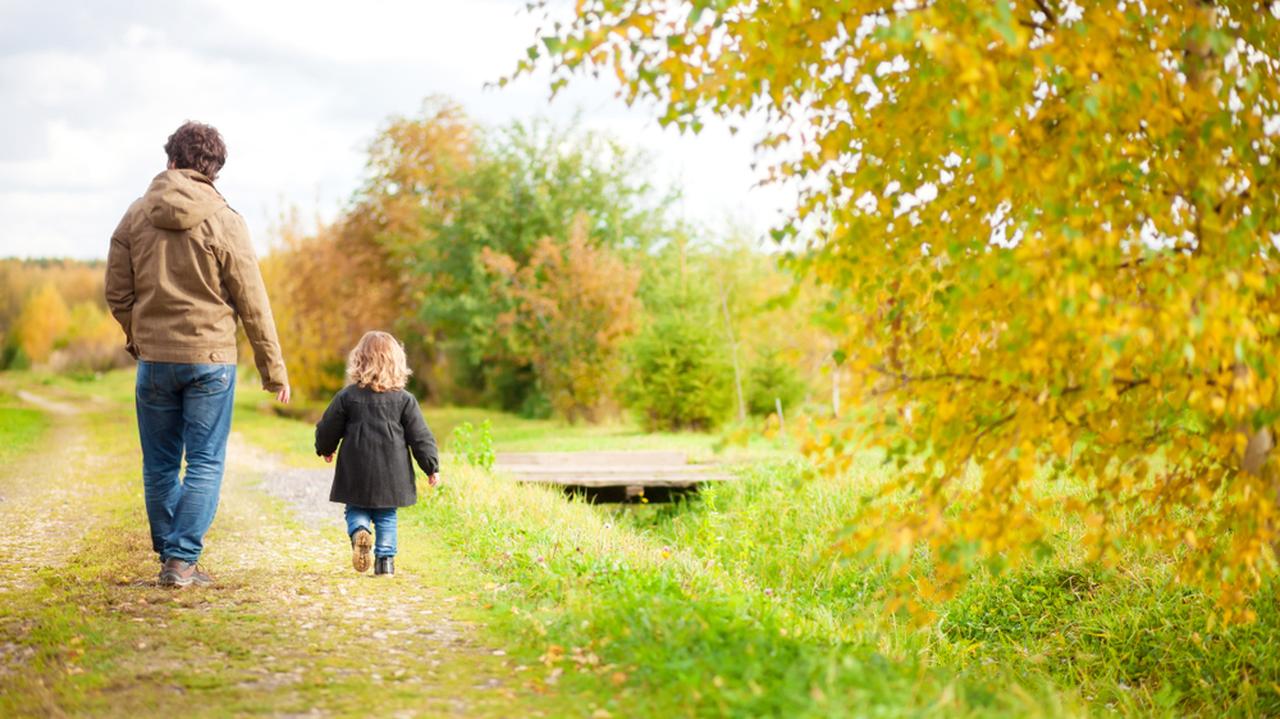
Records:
x=177, y=573
x=361, y=550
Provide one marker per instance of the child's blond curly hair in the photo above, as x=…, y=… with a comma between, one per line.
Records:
x=378, y=363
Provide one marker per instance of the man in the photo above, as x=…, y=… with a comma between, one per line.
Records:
x=179, y=271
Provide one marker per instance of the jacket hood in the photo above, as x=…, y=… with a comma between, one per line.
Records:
x=180, y=200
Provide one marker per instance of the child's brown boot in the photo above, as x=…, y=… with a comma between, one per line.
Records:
x=361, y=550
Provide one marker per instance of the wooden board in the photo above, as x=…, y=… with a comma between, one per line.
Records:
x=688, y=470
x=592, y=459
x=620, y=480
x=629, y=471
x=597, y=483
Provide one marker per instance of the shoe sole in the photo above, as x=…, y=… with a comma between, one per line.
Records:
x=362, y=551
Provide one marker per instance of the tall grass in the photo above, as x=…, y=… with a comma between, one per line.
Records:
x=732, y=605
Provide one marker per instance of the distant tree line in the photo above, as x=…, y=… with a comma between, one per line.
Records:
x=53, y=315
x=535, y=269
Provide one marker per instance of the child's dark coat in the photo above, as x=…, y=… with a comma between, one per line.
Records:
x=378, y=431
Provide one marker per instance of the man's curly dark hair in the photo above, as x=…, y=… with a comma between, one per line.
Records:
x=199, y=147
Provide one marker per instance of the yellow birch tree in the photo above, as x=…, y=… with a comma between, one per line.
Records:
x=1051, y=226
x=42, y=322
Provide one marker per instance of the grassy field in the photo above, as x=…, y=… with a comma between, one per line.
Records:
x=510, y=432
x=731, y=604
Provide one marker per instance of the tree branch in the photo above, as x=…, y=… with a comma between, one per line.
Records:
x=1126, y=384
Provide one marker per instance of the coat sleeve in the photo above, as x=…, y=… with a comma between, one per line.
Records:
x=243, y=280
x=416, y=433
x=331, y=427
x=119, y=284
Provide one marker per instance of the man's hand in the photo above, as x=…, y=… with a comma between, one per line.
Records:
x=434, y=480
x=283, y=395
x=328, y=458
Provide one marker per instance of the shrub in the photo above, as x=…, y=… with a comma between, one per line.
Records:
x=680, y=377
x=569, y=312
x=773, y=378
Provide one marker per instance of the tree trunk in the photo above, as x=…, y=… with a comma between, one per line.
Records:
x=1261, y=442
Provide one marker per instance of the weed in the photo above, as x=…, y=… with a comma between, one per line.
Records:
x=474, y=444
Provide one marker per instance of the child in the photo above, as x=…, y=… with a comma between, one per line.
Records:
x=379, y=425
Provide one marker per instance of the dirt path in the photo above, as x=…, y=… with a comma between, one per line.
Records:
x=401, y=624
x=304, y=491
x=46, y=507
x=45, y=517
x=289, y=629
x=66, y=409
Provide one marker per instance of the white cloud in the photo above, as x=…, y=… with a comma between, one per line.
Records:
x=298, y=92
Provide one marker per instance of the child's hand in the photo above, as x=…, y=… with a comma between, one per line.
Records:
x=328, y=458
x=434, y=480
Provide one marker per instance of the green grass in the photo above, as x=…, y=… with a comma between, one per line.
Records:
x=254, y=417
x=292, y=429
x=21, y=427
x=1125, y=639
x=516, y=434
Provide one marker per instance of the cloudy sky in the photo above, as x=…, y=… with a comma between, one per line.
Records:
x=90, y=90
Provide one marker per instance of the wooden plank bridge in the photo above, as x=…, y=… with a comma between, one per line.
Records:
x=621, y=476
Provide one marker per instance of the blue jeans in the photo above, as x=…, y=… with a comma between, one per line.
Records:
x=384, y=520
x=183, y=408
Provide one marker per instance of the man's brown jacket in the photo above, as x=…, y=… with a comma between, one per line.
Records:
x=180, y=270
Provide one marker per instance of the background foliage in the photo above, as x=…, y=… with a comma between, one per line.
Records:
x=518, y=264
x=53, y=314
x=571, y=309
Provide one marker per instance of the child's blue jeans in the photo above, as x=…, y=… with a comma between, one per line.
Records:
x=381, y=520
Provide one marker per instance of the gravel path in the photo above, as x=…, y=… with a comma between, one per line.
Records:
x=305, y=491
x=284, y=578
x=403, y=624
